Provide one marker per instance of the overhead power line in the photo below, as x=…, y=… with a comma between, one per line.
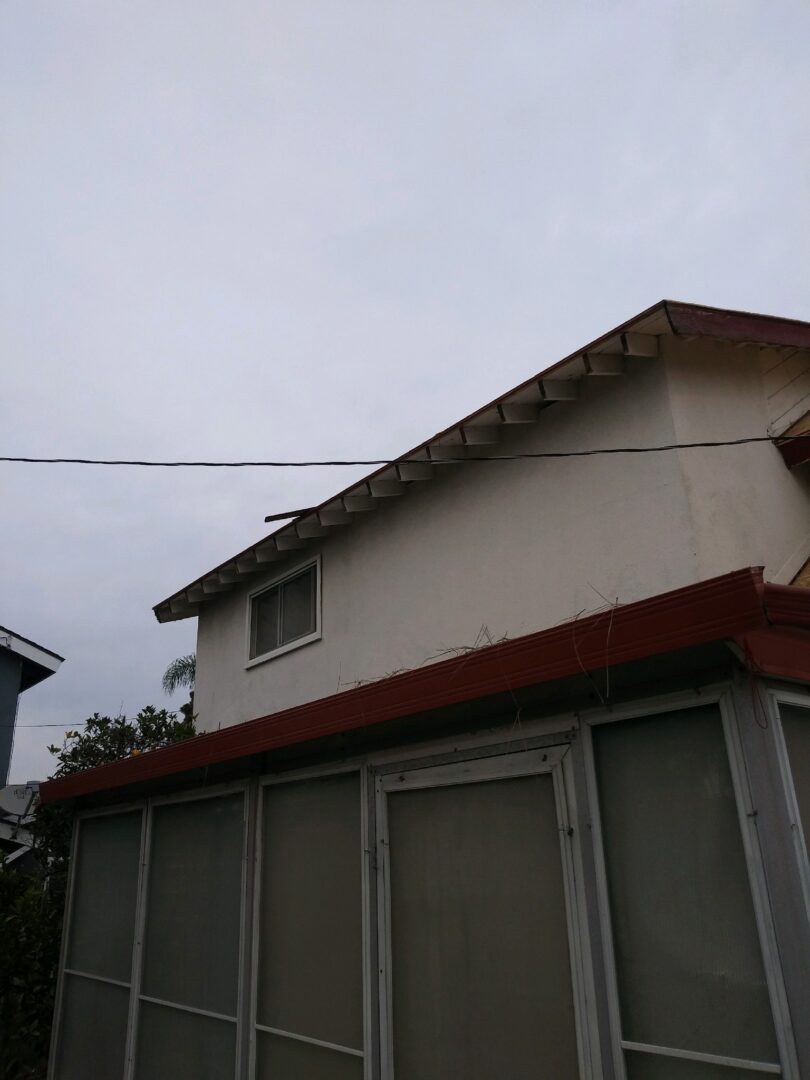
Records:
x=531, y=455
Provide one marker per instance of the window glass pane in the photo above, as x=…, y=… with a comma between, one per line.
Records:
x=176, y=1045
x=278, y=1058
x=796, y=726
x=191, y=940
x=310, y=915
x=298, y=606
x=93, y=1033
x=479, y=939
x=265, y=622
x=655, y=1067
x=688, y=959
x=104, y=894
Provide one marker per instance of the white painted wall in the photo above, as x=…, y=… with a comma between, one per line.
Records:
x=515, y=547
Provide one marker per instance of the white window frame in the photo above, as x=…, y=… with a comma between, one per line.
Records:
x=775, y=698
x=552, y=759
x=273, y=583
x=720, y=696
x=299, y=776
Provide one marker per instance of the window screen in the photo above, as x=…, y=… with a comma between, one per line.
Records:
x=93, y=1029
x=284, y=613
x=479, y=943
x=796, y=728
x=642, y=1066
x=102, y=923
x=310, y=973
x=688, y=960
x=279, y=1056
x=192, y=939
x=177, y=1045
x=93, y=1019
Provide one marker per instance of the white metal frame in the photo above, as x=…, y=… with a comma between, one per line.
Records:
x=720, y=696
x=553, y=760
x=146, y=808
x=56, y=1034
x=279, y=579
x=299, y=776
x=193, y=795
x=776, y=697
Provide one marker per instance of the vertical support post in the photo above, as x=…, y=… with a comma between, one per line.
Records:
x=585, y=842
x=782, y=877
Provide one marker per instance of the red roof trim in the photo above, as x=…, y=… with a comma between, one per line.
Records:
x=737, y=325
x=787, y=605
x=783, y=651
x=713, y=610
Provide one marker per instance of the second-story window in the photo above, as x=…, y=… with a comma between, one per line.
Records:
x=285, y=614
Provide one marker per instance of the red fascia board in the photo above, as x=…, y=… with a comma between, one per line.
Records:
x=720, y=608
x=740, y=326
x=782, y=651
x=787, y=605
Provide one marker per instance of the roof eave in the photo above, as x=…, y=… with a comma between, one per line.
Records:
x=735, y=606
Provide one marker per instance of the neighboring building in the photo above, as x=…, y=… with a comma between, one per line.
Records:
x=23, y=664
x=403, y=850
x=17, y=805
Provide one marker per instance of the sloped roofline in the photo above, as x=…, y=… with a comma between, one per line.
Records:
x=636, y=336
x=38, y=663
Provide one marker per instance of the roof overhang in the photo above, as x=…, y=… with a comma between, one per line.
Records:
x=478, y=433
x=37, y=662
x=769, y=624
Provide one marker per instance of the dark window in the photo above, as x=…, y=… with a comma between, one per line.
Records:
x=283, y=613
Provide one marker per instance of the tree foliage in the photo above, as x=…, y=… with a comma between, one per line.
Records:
x=180, y=672
x=31, y=906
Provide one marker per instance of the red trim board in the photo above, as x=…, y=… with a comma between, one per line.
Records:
x=726, y=607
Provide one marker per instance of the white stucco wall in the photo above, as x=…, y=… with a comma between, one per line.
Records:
x=515, y=547
x=746, y=508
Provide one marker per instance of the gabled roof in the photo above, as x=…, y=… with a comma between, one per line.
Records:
x=477, y=433
x=768, y=624
x=37, y=662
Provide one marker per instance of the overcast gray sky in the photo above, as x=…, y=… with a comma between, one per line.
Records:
x=295, y=229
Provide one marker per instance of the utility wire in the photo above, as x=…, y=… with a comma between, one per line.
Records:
x=400, y=460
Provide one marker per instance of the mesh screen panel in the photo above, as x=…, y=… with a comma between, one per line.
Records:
x=176, y=1045
x=278, y=1058
x=481, y=971
x=92, y=1041
x=688, y=960
x=310, y=916
x=656, y=1067
x=192, y=932
x=102, y=924
x=796, y=726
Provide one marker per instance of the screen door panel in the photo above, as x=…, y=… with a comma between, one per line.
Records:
x=178, y=1045
x=94, y=1029
x=688, y=961
x=796, y=728
x=282, y=1058
x=641, y=1066
x=481, y=977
